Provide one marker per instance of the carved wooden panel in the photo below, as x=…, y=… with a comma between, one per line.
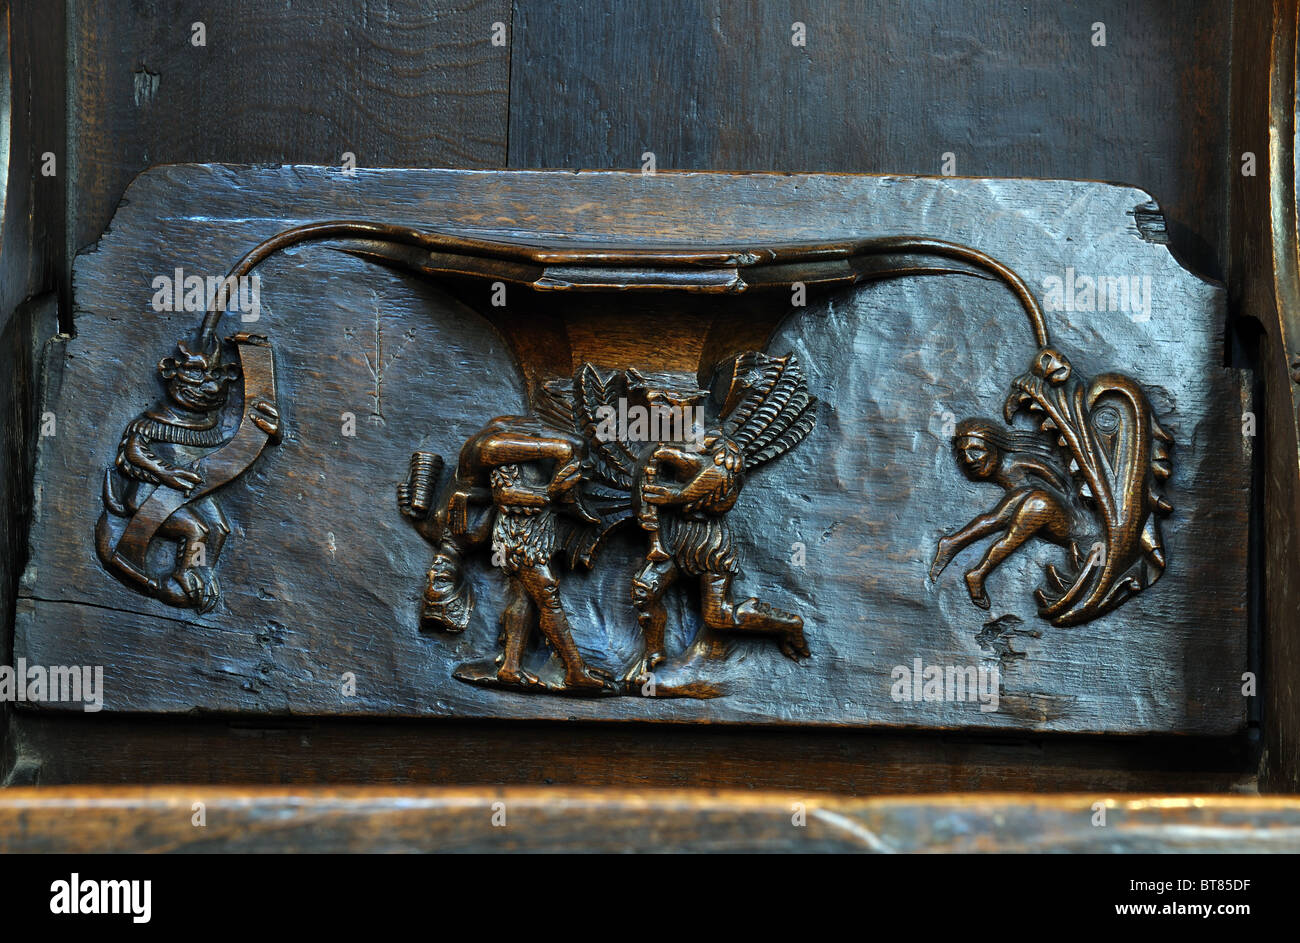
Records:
x=809, y=449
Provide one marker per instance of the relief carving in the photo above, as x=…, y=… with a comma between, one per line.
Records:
x=163, y=529
x=530, y=489
x=1089, y=480
x=539, y=494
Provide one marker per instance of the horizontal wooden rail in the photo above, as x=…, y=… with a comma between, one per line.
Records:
x=395, y=819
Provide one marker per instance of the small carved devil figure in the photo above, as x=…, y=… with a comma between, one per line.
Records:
x=160, y=451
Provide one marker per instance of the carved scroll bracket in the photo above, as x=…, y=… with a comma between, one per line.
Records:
x=541, y=492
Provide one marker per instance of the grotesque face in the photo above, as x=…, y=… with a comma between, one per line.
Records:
x=676, y=415
x=978, y=457
x=1051, y=365
x=671, y=399
x=448, y=599
x=197, y=380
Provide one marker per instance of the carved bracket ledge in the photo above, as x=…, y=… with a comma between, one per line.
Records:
x=692, y=408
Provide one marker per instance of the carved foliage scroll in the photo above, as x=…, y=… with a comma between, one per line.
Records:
x=539, y=494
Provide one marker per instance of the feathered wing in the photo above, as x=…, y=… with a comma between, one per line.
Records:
x=768, y=410
x=554, y=405
x=595, y=400
x=610, y=466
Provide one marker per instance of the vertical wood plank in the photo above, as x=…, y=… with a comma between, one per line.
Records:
x=1265, y=288
x=32, y=262
x=398, y=83
x=888, y=86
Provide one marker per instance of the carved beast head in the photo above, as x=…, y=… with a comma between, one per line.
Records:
x=196, y=377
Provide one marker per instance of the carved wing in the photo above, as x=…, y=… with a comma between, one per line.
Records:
x=554, y=405
x=768, y=410
x=609, y=466
x=613, y=461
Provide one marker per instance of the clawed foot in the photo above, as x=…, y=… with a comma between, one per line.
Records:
x=564, y=488
x=266, y=417
x=519, y=678
x=794, y=646
x=183, y=480
x=640, y=672
x=756, y=615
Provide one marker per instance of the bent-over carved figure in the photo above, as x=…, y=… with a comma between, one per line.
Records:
x=1035, y=503
x=514, y=486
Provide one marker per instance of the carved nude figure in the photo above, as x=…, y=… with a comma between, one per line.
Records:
x=515, y=483
x=682, y=493
x=692, y=491
x=1035, y=503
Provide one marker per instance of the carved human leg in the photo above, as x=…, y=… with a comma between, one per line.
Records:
x=544, y=590
x=1028, y=513
x=200, y=531
x=516, y=626
x=979, y=527
x=648, y=588
x=752, y=616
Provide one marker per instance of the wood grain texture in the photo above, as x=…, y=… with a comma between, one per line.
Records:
x=32, y=267
x=1160, y=108
x=322, y=577
x=22, y=341
x=122, y=750
x=395, y=820
x=400, y=83
x=888, y=86
x=1265, y=290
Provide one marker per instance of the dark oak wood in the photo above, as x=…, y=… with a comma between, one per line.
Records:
x=322, y=577
x=117, y=750
x=160, y=819
x=398, y=84
x=921, y=85
x=1265, y=287
x=33, y=267
x=888, y=86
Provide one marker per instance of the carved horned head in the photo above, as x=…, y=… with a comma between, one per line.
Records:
x=196, y=378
